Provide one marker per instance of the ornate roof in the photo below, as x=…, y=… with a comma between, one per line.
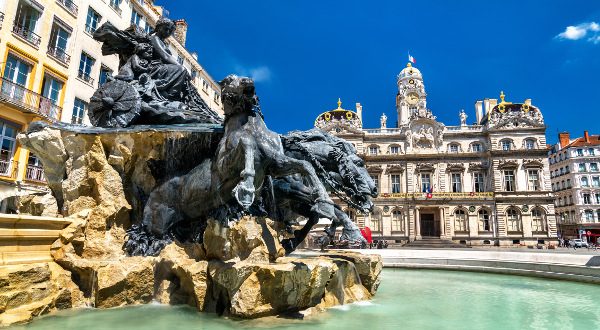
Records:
x=338, y=117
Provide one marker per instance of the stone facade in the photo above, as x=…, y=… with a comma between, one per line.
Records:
x=486, y=183
x=575, y=176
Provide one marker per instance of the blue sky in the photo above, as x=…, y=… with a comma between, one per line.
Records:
x=304, y=54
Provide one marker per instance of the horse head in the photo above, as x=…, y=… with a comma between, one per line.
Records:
x=239, y=96
x=352, y=177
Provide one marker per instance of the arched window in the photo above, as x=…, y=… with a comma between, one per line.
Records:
x=529, y=143
x=484, y=220
x=376, y=220
x=394, y=149
x=476, y=147
x=453, y=148
x=460, y=220
x=373, y=149
x=513, y=219
x=506, y=144
x=397, y=221
x=538, y=221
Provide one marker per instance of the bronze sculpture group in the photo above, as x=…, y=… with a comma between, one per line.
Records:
x=253, y=170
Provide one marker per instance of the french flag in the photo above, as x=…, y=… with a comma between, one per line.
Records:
x=428, y=192
x=411, y=59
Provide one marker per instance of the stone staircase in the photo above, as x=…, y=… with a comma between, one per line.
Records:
x=434, y=243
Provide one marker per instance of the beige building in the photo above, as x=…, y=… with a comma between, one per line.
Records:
x=575, y=176
x=51, y=66
x=484, y=183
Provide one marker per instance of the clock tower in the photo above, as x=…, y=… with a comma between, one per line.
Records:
x=411, y=94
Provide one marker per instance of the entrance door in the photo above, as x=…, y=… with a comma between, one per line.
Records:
x=428, y=227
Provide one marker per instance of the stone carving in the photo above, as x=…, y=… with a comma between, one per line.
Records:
x=383, y=121
x=151, y=86
x=514, y=117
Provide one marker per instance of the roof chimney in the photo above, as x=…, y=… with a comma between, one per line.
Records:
x=586, y=136
x=180, y=31
x=564, y=139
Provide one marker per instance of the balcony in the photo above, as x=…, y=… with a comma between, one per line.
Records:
x=440, y=195
x=27, y=35
x=35, y=173
x=8, y=169
x=85, y=77
x=28, y=100
x=59, y=54
x=69, y=6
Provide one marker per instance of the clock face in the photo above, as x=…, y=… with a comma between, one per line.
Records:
x=412, y=98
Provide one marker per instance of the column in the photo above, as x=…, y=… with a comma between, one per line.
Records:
x=417, y=223
x=442, y=223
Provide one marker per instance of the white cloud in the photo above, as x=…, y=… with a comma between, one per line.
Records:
x=580, y=31
x=258, y=74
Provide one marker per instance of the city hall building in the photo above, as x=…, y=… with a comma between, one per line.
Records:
x=486, y=183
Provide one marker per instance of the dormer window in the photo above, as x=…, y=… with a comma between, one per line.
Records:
x=394, y=150
x=476, y=147
x=373, y=150
x=529, y=144
x=454, y=148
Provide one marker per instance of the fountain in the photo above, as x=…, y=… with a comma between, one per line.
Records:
x=169, y=202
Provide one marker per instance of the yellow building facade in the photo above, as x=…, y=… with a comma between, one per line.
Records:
x=50, y=67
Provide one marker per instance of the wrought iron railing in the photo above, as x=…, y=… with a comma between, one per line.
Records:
x=29, y=100
x=27, y=34
x=8, y=168
x=35, y=173
x=69, y=6
x=85, y=77
x=59, y=54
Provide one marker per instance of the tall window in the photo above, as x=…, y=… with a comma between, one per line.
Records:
x=484, y=220
x=8, y=140
x=598, y=215
x=585, y=182
x=581, y=167
x=16, y=70
x=460, y=221
x=533, y=180
x=509, y=180
x=395, y=183
x=136, y=18
x=52, y=88
x=85, y=67
x=373, y=150
x=506, y=145
x=376, y=221
x=587, y=199
x=529, y=144
x=179, y=59
x=376, y=181
x=588, y=216
x=34, y=171
x=456, y=182
x=597, y=198
x=478, y=182
x=397, y=221
x=591, y=151
x=537, y=220
x=594, y=167
x=92, y=20
x=104, y=74
x=26, y=22
x=115, y=4
x=57, y=46
x=425, y=181
x=579, y=152
x=79, y=110
x=513, y=220
x=595, y=181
